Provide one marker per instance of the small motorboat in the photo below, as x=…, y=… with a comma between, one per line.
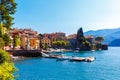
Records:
x=77, y=59
x=62, y=57
x=92, y=50
x=52, y=56
x=90, y=59
x=44, y=54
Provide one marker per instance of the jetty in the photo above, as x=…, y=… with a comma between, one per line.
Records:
x=61, y=57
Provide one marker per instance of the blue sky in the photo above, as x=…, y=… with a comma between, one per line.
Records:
x=46, y=16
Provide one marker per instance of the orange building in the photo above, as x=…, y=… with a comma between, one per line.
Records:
x=33, y=42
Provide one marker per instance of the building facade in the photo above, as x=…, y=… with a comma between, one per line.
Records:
x=28, y=38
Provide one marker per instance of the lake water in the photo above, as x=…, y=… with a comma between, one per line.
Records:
x=105, y=67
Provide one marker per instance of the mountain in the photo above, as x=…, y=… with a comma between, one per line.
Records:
x=108, y=34
x=115, y=42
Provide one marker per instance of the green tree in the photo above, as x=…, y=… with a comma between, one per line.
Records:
x=64, y=43
x=56, y=43
x=16, y=41
x=80, y=37
x=60, y=44
x=1, y=29
x=6, y=39
x=98, y=46
x=44, y=46
x=99, y=39
x=1, y=43
x=7, y=67
x=87, y=44
x=82, y=43
x=7, y=9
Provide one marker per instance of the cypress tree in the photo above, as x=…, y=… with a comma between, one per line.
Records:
x=80, y=37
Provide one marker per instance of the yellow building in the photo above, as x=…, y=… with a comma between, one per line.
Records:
x=23, y=41
x=46, y=41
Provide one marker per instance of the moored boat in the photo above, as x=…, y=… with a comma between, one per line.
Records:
x=77, y=59
x=44, y=54
x=62, y=57
x=90, y=59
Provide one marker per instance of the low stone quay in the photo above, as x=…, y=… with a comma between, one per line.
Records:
x=25, y=53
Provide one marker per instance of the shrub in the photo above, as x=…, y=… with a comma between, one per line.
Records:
x=7, y=67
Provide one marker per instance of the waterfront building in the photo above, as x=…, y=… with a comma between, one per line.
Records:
x=72, y=41
x=34, y=43
x=60, y=36
x=46, y=41
x=28, y=37
x=49, y=38
x=23, y=41
x=72, y=36
x=90, y=38
x=14, y=32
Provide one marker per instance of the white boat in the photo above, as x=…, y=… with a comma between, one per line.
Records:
x=62, y=57
x=44, y=54
x=90, y=59
x=92, y=50
x=74, y=58
x=79, y=59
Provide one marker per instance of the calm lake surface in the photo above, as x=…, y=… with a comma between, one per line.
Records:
x=105, y=67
